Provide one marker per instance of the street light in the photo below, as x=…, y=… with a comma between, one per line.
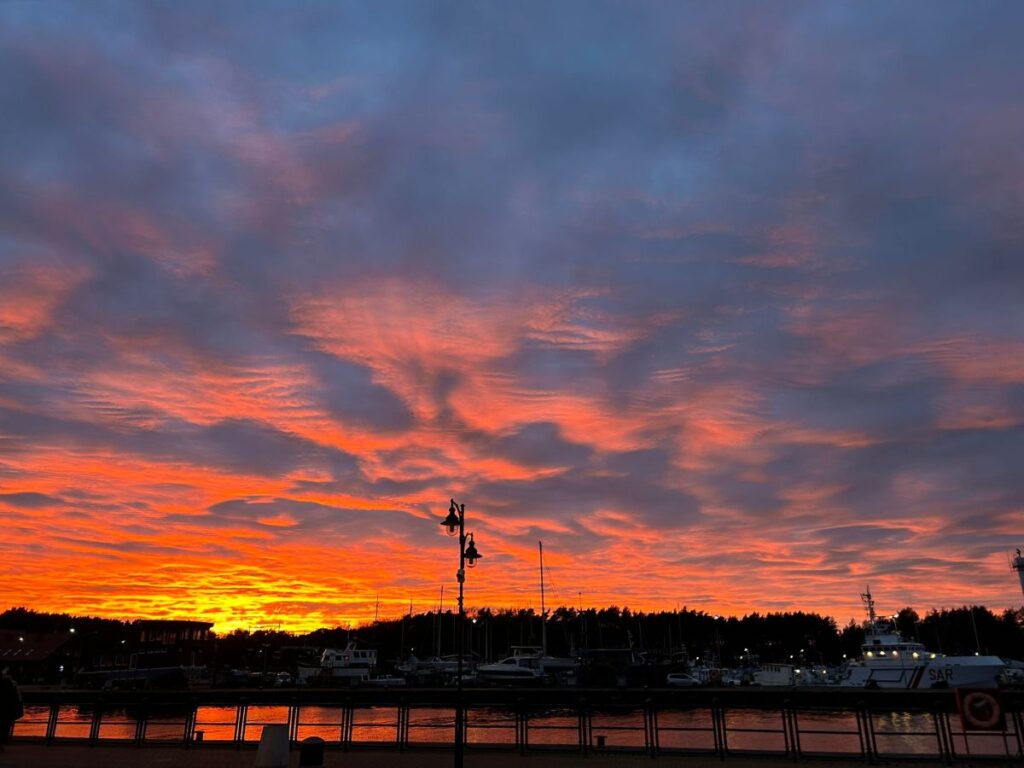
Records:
x=456, y=522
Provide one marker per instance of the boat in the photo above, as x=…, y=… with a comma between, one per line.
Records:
x=613, y=668
x=518, y=668
x=776, y=675
x=553, y=666
x=530, y=663
x=433, y=664
x=790, y=675
x=349, y=665
x=560, y=669
x=889, y=660
x=435, y=670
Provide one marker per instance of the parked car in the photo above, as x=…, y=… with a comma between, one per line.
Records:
x=681, y=680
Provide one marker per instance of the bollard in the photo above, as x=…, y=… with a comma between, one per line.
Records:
x=311, y=752
x=600, y=742
x=198, y=736
x=273, y=750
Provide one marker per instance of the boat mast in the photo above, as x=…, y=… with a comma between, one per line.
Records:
x=543, y=613
x=1017, y=563
x=440, y=608
x=869, y=603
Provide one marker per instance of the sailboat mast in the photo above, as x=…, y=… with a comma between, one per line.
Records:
x=543, y=612
x=440, y=608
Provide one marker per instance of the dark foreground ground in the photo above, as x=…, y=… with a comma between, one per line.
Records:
x=63, y=756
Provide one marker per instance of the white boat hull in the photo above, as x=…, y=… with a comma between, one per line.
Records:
x=507, y=677
x=939, y=673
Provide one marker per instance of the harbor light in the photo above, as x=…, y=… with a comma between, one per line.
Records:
x=72, y=630
x=471, y=554
x=452, y=521
x=916, y=655
x=869, y=654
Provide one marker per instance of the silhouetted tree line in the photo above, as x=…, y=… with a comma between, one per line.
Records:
x=666, y=635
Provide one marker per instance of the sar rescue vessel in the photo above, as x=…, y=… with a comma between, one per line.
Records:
x=890, y=661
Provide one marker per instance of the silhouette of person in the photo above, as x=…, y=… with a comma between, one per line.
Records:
x=11, y=708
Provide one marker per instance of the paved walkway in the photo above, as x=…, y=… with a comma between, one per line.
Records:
x=65, y=756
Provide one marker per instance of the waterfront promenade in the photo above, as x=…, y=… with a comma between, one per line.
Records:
x=83, y=756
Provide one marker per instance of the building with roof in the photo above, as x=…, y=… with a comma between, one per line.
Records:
x=36, y=657
x=164, y=642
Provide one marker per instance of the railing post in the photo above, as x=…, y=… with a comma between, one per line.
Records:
x=140, y=723
x=714, y=727
x=465, y=722
x=403, y=724
x=866, y=730
x=294, y=711
x=97, y=720
x=787, y=742
x=347, y=717
x=342, y=725
x=51, y=723
x=790, y=738
x=1018, y=727
x=190, y=723
x=794, y=724
x=861, y=736
x=522, y=728
x=584, y=725
x=651, y=727
x=942, y=733
x=241, y=713
x=724, y=726
x=718, y=728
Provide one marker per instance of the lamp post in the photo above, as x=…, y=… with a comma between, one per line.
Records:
x=456, y=523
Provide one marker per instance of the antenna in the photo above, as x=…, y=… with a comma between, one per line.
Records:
x=869, y=603
x=543, y=613
x=1017, y=563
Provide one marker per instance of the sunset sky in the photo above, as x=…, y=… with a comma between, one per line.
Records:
x=722, y=301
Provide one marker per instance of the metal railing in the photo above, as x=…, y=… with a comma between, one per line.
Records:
x=794, y=723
